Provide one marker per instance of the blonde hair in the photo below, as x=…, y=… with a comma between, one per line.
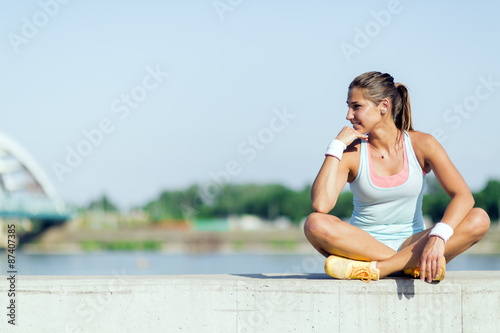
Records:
x=376, y=86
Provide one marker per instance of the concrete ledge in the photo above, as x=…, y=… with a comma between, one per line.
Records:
x=463, y=302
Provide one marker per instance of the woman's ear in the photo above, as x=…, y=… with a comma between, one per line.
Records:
x=384, y=105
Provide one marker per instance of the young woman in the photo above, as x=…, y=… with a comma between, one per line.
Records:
x=385, y=162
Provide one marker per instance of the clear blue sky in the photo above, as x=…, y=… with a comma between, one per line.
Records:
x=232, y=66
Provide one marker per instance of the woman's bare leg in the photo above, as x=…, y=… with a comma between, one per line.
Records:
x=467, y=233
x=330, y=235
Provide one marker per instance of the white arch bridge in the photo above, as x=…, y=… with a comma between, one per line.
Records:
x=25, y=190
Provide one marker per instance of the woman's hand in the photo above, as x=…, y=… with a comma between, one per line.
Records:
x=430, y=262
x=347, y=135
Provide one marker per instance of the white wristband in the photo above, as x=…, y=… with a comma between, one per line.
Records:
x=336, y=149
x=442, y=230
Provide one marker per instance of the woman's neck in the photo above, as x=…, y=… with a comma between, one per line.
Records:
x=385, y=138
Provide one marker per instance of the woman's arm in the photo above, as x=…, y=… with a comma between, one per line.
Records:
x=330, y=180
x=333, y=175
x=460, y=205
x=451, y=180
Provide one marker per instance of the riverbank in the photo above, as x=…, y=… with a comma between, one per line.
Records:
x=65, y=239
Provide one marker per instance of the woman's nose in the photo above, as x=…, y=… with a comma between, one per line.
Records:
x=350, y=114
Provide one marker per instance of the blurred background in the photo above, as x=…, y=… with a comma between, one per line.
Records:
x=182, y=137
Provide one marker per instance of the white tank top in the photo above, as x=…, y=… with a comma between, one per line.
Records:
x=389, y=208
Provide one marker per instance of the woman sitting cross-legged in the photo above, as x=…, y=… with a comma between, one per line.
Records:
x=385, y=162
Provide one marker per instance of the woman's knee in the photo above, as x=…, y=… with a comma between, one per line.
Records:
x=319, y=224
x=313, y=223
x=478, y=222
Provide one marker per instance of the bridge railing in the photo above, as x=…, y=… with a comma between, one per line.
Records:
x=34, y=207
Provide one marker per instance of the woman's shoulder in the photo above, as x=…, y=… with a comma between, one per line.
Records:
x=426, y=148
x=422, y=140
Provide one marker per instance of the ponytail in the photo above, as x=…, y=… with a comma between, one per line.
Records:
x=402, y=110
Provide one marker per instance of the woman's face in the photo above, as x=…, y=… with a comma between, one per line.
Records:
x=362, y=114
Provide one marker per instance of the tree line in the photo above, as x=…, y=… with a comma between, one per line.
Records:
x=274, y=200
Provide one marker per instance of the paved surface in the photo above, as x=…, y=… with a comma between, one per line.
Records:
x=463, y=302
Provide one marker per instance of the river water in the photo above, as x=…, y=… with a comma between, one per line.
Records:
x=157, y=263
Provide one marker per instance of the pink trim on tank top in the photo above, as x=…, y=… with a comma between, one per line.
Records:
x=389, y=181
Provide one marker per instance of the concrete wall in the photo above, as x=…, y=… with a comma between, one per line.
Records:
x=463, y=302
